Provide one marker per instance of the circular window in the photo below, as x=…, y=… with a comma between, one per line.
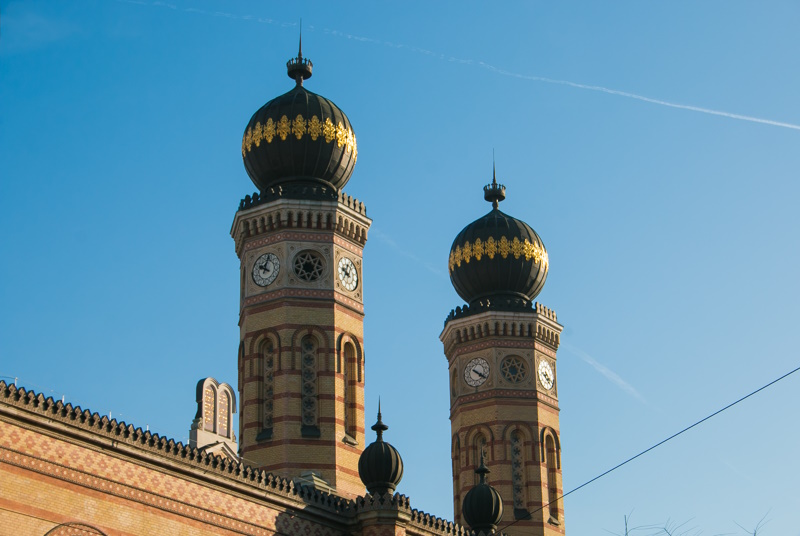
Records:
x=308, y=265
x=514, y=369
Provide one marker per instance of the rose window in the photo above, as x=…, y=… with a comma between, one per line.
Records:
x=308, y=266
x=513, y=369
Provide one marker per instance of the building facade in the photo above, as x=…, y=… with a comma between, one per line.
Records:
x=304, y=462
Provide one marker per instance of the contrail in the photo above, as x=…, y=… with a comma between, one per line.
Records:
x=375, y=232
x=641, y=98
x=497, y=70
x=609, y=374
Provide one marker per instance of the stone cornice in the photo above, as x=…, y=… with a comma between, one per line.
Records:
x=537, y=324
x=500, y=395
x=344, y=216
x=311, y=294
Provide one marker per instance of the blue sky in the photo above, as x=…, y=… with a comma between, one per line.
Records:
x=652, y=145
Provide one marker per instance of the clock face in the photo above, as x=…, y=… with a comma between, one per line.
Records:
x=476, y=372
x=266, y=269
x=546, y=375
x=347, y=273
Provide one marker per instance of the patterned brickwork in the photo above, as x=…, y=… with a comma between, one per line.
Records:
x=66, y=469
x=506, y=416
x=317, y=421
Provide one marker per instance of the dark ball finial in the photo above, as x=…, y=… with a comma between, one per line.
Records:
x=380, y=465
x=483, y=506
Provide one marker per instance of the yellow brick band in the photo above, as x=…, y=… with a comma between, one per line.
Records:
x=299, y=127
x=503, y=248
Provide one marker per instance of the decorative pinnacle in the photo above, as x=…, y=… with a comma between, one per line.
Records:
x=379, y=427
x=299, y=68
x=482, y=471
x=494, y=192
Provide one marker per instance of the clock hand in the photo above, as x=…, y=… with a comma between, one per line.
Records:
x=481, y=374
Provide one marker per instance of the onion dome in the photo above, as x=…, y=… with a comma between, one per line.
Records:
x=299, y=138
x=482, y=506
x=380, y=465
x=498, y=259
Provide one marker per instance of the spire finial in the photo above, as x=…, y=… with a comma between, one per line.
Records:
x=494, y=192
x=482, y=470
x=299, y=68
x=300, y=48
x=379, y=427
x=494, y=171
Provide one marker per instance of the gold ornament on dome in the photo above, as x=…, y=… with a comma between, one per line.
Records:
x=516, y=247
x=299, y=126
x=283, y=127
x=502, y=248
x=328, y=130
x=491, y=247
x=257, y=133
x=477, y=249
x=466, y=252
x=314, y=128
x=341, y=134
x=269, y=130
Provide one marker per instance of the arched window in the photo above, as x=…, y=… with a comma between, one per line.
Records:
x=267, y=389
x=310, y=414
x=456, y=454
x=479, y=447
x=552, y=484
x=350, y=381
x=518, y=475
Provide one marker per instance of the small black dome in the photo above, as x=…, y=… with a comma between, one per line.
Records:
x=299, y=137
x=497, y=257
x=380, y=465
x=482, y=506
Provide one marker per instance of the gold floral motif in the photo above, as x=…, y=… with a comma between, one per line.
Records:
x=314, y=127
x=328, y=130
x=529, y=251
x=269, y=130
x=257, y=134
x=477, y=249
x=341, y=134
x=299, y=126
x=466, y=252
x=516, y=247
x=503, y=247
x=283, y=127
x=491, y=247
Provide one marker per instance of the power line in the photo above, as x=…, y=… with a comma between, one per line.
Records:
x=673, y=436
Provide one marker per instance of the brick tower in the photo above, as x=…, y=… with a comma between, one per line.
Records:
x=501, y=354
x=300, y=243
